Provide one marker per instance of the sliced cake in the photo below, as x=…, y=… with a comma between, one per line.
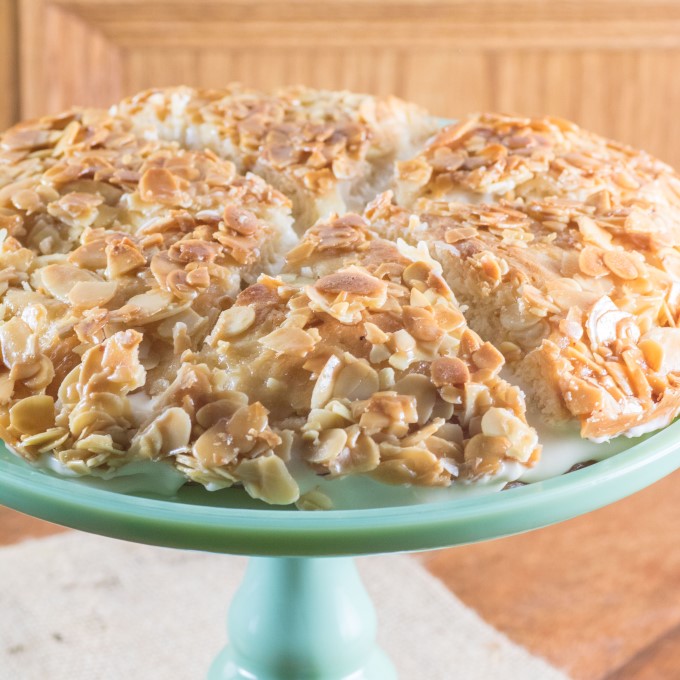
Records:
x=582, y=299
x=488, y=157
x=117, y=256
x=328, y=151
x=359, y=355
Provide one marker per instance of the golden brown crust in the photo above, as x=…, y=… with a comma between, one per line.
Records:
x=117, y=258
x=358, y=351
x=145, y=314
x=329, y=150
x=488, y=157
x=588, y=295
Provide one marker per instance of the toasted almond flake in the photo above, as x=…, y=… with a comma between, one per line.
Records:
x=593, y=233
x=488, y=357
x=59, y=279
x=213, y=447
x=289, y=340
x=148, y=304
x=314, y=500
x=424, y=392
x=88, y=294
x=122, y=257
x=449, y=371
x=161, y=186
x=421, y=324
x=32, y=415
x=46, y=441
x=352, y=281
x=500, y=422
x=591, y=261
x=603, y=321
x=621, y=264
x=356, y=380
x=661, y=349
x=268, y=479
x=375, y=335
x=453, y=236
x=325, y=383
x=328, y=447
x=233, y=322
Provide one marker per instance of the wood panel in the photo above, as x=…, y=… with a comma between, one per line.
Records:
x=9, y=83
x=609, y=64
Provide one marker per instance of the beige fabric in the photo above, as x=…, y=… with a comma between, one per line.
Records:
x=81, y=607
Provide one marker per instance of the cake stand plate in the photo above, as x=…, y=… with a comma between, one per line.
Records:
x=298, y=614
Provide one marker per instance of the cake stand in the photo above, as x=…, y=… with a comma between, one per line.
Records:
x=301, y=612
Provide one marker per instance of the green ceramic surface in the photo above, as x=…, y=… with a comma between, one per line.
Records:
x=229, y=522
x=327, y=616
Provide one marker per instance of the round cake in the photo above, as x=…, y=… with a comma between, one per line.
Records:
x=267, y=288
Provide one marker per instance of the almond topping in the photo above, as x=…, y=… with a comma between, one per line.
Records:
x=32, y=415
x=289, y=340
x=122, y=257
x=449, y=371
x=488, y=357
x=421, y=324
x=232, y=322
x=591, y=261
x=268, y=479
x=621, y=264
x=159, y=185
x=88, y=294
x=351, y=281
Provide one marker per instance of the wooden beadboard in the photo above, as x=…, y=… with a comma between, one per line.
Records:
x=9, y=82
x=609, y=64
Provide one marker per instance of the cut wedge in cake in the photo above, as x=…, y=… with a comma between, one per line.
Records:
x=164, y=298
x=328, y=151
x=117, y=257
x=359, y=355
x=488, y=157
x=582, y=299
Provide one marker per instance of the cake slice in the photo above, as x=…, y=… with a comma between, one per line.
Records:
x=117, y=256
x=582, y=299
x=488, y=157
x=328, y=151
x=359, y=354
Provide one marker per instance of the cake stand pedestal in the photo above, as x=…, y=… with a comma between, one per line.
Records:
x=302, y=613
x=313, y=618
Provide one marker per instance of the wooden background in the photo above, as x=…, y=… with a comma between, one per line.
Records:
x=600, y=595
x=609, y=64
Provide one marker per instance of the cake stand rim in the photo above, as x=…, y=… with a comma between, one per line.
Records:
x=341, y=532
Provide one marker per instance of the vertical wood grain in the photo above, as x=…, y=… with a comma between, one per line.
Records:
x=9, y=63
x=64, y=61
x=608, y=64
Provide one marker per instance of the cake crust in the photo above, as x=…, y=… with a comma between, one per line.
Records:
x=330, y=151
x=195, y=278
x=582, y=302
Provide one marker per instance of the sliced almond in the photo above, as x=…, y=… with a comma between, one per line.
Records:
x=328, y=447
x=449, y=371
x=233, y=322
x=59, y=279
x=621, y=263
x=591, y=262
x=32, y=415
x=88, y=294
x=289, y=340
x=122, y=257
x=159, y=185
x=268, y=479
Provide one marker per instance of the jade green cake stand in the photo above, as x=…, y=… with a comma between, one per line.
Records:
x=301, y=612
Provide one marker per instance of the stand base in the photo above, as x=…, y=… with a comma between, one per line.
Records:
x=378, y=667
x=302, y=619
